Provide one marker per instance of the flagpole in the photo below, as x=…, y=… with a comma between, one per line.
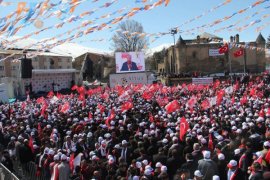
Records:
x=245, y=61
x=230, y=61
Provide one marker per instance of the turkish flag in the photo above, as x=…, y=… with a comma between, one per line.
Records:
x=65, y=107
x=220, y=95
x=44, y=108
x=261, y=114
x=151, y=117
x=71, y=160
x=110, y=117
x=243, y=100
x=30, y=144
x=267, y=156
x=126, y=106
x=74, y=88
x=191, y=102
x=81, y=90
x=101, y=108
x=147, y=95
x=59, y=95
x=172, y=106
x=223, y=49
x=210, y=142
x=90, y=116
x=40, y=100
x=184, y=126
x=239, y=53
x=162, y=101
x=205, y=104
x=50, y=94
x=252, y=92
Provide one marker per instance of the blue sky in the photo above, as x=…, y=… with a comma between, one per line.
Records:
x=160, y=19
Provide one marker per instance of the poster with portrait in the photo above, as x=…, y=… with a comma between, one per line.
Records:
x=129, y=62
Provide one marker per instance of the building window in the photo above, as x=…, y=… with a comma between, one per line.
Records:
x=13, y=68
x=2, y=68
x=59, y=67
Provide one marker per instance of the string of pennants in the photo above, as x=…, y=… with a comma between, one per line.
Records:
x=156, y=36
x=94, y=28
x=220, y=20
x=46, y=8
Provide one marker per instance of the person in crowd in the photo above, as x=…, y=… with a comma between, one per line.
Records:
x=216, y=131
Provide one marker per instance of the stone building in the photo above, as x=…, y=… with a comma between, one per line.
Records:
x=50, y=71
x=201, y=55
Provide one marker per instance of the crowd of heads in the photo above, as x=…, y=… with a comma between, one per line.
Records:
x=130, y=132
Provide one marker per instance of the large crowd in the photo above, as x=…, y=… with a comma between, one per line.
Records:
x=135, y=132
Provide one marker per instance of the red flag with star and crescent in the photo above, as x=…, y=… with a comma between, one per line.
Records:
x=172, y=106
x=223, y=49
x=238, y=53
x=184, y=126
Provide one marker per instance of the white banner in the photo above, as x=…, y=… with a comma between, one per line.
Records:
x=205, y=81
x=129, y=62
x=128, y=78
x=215, y=52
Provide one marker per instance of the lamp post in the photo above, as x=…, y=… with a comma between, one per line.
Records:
x=173, y=32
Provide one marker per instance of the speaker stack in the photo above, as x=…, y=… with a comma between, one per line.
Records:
x=26, y=68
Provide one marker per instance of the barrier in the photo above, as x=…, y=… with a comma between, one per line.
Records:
x=6, y=174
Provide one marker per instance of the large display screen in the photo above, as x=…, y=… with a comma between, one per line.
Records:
x=129, y=62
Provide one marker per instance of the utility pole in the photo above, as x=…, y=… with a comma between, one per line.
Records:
x=173, y=32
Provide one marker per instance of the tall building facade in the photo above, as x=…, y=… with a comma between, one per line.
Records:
x=201, y=55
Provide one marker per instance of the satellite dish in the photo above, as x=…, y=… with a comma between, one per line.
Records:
x=38, y=24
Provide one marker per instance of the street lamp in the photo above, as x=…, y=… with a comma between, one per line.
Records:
x=173, y=32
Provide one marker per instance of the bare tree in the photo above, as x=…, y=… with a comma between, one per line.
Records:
x=129, y=38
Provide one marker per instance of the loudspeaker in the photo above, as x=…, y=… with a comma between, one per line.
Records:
x=26, y=68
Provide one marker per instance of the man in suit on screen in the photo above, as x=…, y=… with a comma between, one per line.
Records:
x=128, y=65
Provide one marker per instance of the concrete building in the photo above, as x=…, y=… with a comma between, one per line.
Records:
x=201, y=55
x=50, y=71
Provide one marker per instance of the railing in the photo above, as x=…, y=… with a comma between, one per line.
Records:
x=6, y=174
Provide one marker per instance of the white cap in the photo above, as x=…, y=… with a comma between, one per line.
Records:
x=149, y=167
x=124, y=142
x=56, y=157
x=206, y=154
x=219, y=138
x=266, y=144
x=232, y=163
x=221, y=156
x=51, y=152
x=164, y=169
x=258, y=154
x=215, y=177
x=165, y=141
x=237, y=151
x=138, y=165
x=145, y=162
x=63, y=157
x=198, y=173
x=147, y=172
x=136, y=178
x=158, y=164
x=203, y=141
x=111, y=161
x=90, y=134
